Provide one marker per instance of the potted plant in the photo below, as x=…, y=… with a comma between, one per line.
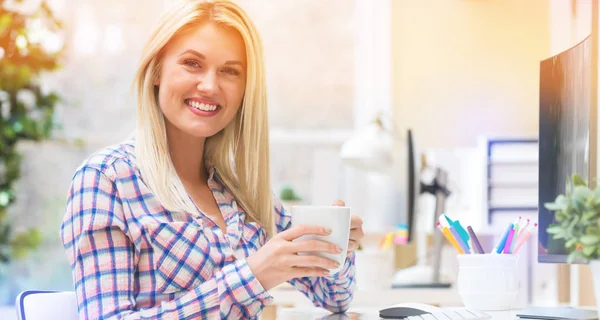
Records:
x=288, y=197
x=577, y=216
x=26, y=53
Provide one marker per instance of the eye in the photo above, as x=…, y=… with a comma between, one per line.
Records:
x=231, y=71
x=192, y=63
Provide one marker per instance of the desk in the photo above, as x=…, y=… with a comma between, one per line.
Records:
x=360, y=314
x=8, y=313
x=289, y=296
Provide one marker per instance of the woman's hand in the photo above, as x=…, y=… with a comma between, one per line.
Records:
x=356, y=231
x=278, y=260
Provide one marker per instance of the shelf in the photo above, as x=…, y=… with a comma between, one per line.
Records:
x=511, y=209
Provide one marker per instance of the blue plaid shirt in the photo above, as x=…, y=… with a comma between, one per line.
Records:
x=132, y=259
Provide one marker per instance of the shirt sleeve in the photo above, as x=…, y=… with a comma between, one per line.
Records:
x=334, y=292
x=103, y=261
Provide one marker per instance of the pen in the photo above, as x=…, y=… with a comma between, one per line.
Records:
x=524, y=237
x=523, y=229
x=462, y=233
x=450, y=239
x=500, y=246
x=476, y=245
x=509, y=240
x=514, y=240
x=514, y=237
x=459, y=240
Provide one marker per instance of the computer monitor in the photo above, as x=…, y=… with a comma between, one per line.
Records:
x=566, y=126
x=422, y=275
x=567, y=145
x=436, y=186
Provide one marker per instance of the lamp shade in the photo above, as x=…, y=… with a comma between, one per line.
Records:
x=371, y=149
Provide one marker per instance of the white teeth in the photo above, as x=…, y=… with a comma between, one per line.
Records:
x=202, y=106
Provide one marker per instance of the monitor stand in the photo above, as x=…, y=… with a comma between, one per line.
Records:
x=423, y=275
x=557, y=313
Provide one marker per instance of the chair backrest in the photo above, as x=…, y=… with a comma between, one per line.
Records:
x=47, y=305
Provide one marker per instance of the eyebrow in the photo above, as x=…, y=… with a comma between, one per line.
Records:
x=201, y=56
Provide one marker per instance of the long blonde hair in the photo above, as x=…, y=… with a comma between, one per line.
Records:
x=240, y=152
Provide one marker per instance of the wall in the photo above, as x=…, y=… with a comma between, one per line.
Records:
x=465, y=68
x=570, y=23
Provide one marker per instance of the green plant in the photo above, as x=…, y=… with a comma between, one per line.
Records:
x=26, y=111
x=577, y=220
x=287, y=193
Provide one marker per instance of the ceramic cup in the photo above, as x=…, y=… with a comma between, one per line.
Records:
x=488, y=282
x=334, y=217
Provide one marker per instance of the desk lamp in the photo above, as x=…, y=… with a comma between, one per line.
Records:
x=372, y=150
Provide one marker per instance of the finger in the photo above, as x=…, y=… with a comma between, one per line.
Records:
x=339, y=203
x=303, y=229
x=356, y=222
x=301, y=272
x=315, y=246
x=356, y=234
x=313, y=261
x=352, y=245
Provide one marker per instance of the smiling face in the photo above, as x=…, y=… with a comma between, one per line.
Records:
x=202, y=80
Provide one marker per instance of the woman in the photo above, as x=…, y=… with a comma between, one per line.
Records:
x=179, y=222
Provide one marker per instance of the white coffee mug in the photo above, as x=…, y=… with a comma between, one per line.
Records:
x=333, y=217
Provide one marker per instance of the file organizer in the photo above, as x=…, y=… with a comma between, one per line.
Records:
x=512, y=179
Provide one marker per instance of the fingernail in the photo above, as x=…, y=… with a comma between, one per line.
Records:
x=339, y=249
x=328, y=230
x=325, y=272
x=337, y=264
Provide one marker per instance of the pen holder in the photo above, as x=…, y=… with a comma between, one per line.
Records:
x=488, y=282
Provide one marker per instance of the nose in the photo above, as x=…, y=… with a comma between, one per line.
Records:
x=207, y=83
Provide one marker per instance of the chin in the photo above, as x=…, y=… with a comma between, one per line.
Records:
x=203, y=132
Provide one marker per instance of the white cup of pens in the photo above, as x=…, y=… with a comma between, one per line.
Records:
x=487, y=280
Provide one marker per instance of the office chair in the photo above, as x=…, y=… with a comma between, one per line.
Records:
x=46, y=305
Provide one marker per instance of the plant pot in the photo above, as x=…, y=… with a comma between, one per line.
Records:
x=595, y=267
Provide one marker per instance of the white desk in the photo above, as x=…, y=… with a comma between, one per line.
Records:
x=289, y=296
x=8, y=313
x=362, y=314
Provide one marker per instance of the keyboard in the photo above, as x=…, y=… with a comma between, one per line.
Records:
x=454, y=314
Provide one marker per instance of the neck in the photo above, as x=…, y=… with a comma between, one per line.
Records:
x=187, y=154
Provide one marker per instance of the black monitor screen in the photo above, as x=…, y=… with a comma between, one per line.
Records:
x=565, y=104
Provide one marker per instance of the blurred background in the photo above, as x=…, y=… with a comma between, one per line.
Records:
x=453, y=71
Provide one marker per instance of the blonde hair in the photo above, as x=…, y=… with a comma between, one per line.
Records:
x=239, y=152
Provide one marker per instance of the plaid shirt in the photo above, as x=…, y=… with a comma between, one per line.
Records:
x=132, y=259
